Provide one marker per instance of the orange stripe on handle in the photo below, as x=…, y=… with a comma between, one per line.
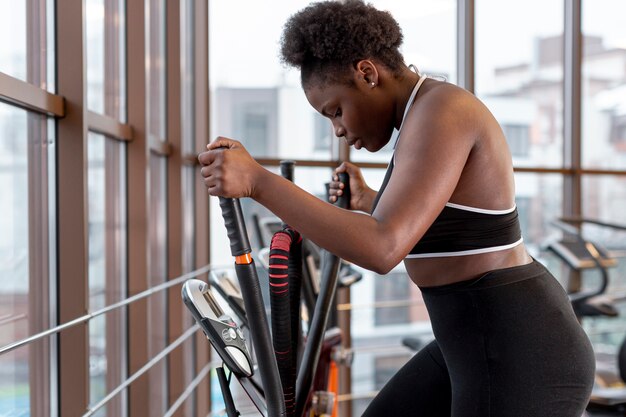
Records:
x=244, y=259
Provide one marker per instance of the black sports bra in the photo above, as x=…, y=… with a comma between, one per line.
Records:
x=461, y=230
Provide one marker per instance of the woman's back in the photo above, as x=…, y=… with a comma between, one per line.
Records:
x=485, y=182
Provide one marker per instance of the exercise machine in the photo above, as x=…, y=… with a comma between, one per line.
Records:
x=581, y=254
x=277, y=394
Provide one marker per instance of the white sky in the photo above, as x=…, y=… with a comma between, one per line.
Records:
x=245, y=34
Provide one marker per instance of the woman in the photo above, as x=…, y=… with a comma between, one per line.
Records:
x=507, y=341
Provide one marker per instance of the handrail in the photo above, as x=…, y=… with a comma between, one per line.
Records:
x=143, y=370
x=114, y=306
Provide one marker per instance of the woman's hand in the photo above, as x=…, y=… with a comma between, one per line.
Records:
x=229, y=170
x=361, y=196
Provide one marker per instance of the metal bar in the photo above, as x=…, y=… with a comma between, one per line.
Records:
x=570, y=171
x=72, y=210
x=30, y=97
x=100, y=123
x=360, y=396
x=309, y=163
x=202, y=119
x=143, y=370
x=10, y=318
x=137, y=188
x=89, y=316
x=572, y=107
x=465, y=44
x=175, y=198
x=383, y=165
x=190, y=388
x=572, y=111
x=379, y=304
x=592, y=221
x=381, y=349
x=160, y=147
x=41, y=363
x=345, y=371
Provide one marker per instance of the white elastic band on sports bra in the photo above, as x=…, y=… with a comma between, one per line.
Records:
x=481, y=210
x=464, y=252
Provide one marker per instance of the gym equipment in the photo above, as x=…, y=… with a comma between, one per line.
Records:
x=277, y=395
x=581, y=254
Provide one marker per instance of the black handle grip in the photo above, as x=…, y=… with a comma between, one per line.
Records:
x=287, y=168
x=235, y=226
x=343, y=200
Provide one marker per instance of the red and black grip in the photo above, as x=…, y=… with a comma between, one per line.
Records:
x=284, y=285
x=253, y=303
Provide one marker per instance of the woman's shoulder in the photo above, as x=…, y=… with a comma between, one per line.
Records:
x=439, y=94
x=444, y=105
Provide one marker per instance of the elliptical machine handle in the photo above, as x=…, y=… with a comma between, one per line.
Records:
x=343, y=201
x=253, y=303
x=328, y=288
x=235, y=226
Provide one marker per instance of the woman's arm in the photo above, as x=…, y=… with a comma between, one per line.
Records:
x=229, y=171
x=434, y=146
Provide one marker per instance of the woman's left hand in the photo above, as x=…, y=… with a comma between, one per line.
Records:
x=228, y=169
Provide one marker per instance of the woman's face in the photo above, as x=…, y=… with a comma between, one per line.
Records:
x=359, y=113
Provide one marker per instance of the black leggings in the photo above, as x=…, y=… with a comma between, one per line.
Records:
x=507, y=345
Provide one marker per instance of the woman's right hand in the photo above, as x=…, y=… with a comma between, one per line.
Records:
x=361, y=196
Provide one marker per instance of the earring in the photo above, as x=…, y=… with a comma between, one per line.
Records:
x=373, y=84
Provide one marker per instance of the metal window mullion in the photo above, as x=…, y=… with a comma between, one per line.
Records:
x=72, y=210
x=41, y=371
x=39, y=272
x=572, y=98
x=202, y=212
x=137, y=201
x=176, y=359
x=189, y=174
x=466, y=44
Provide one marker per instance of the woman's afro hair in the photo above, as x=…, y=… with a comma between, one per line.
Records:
x=327, y=38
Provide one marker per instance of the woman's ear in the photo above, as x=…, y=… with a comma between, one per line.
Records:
x=367, y=72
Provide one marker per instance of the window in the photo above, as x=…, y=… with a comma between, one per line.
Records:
x=429, y=29
x=107, y=269
x=249, y=115
x=604, y=85
x=263, y=105
x=392, y=287
x=323, y=132
x=26, y=273
x=618, y=132
x=386, y=366
x=106, y=90
x=518, y=139
x=519, y=75
x=29, y=55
